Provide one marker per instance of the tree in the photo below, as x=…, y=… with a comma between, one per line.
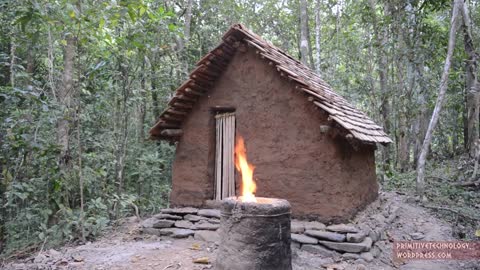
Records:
x=318, y=25
x=472, y=85
x=457, y=6
x=381, y=39
x=305, y=50
x=65, y=96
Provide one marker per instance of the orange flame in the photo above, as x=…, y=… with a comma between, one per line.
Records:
x=246, y=170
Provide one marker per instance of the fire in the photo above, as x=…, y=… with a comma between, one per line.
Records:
x=246, y=170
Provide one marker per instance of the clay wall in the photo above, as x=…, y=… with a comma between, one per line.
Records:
x=322, y=177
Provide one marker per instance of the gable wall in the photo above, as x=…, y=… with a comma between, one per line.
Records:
x=320, y=176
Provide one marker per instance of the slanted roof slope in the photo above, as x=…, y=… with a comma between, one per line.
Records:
x=210, y=67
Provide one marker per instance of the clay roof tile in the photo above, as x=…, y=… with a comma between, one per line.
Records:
x=340, y=110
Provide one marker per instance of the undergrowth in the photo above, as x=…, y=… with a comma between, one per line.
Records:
x=460, y=206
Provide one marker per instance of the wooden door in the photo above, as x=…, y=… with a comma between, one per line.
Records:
x=224, y=154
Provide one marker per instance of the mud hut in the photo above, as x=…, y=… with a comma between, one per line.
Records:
x=308, y=144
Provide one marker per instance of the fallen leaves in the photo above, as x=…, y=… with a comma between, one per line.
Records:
x=202, y=260
x=195, y=247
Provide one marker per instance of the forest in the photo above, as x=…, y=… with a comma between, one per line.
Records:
x=83, y=81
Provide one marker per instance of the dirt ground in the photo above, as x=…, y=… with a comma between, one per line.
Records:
x=126, y=248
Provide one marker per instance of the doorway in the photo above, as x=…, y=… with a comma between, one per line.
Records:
x=224, y=155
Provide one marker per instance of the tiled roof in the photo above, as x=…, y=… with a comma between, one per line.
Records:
x=210, y=67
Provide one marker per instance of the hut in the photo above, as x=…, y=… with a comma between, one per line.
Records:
x=308, y=144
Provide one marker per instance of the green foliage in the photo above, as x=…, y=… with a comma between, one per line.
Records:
x=401, y=181
x=40, y=200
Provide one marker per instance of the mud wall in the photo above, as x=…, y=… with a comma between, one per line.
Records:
x=322, y=177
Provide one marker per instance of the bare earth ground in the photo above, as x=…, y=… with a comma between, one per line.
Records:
x=126, y=248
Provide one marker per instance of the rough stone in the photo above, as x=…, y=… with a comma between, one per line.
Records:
x=148, y=223
x=318, y=250
x=349, y=247
x=214, y=220
x=394, y=210
x=194, y=218
x=184, y=224
x=375, y=251
x=334, y=266
x=327, y=263
x=342, y=228
x=356, y=237
x=367, y=256
x=393, y=214
x=314, y=225
x=379, y=218
x=176, y=232
x=417, y=236
x=163, y=223
x=323, y=235
x=205, y=225
x=303, y=239
x=151, y=231
x=360, y=267
x=350, y=256
x=213, y=204
x=40, y=258
x=180, y=211
x=296, y=245
x=376, y=234
x=209, y=213
x=78, y=258
x=297, y=226
x=207, y=236
x=182, y=233
x=360, y=261
x=54, y=253
x=167, y=216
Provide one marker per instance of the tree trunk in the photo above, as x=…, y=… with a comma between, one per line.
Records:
x=188, y=21
x=382, y=62
x=318, y=25
x=402, y=148
x=30, y=64
x=304, y=39
x=421, y=125
x=402, y=130
x=471, y=84
x=65, y=95
x=182, y=42
x=51, y=58
x=80, y=177
x=465, y=119
x=142, y=109
x=473, y=105
x=123, y=136
x=155, y=102
x=457, y=6
x=407, y=80
x=3, y=201
x=13, y=48
x=65, y=99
